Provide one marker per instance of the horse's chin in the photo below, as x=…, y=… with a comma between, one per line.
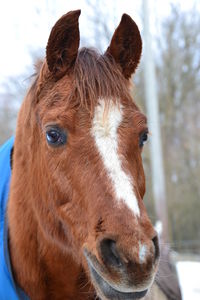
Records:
x=105, y=289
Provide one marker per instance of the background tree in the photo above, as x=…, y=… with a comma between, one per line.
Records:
x=178, y=69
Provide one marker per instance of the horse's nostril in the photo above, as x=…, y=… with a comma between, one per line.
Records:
x=109, y=253
x=156, y=247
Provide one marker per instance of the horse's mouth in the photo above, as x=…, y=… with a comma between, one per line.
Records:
x=108, y=292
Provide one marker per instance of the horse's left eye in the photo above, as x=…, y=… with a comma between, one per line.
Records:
x=56, y=136
x=143, y=138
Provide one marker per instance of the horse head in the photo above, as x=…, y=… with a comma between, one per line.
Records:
x=82, y=135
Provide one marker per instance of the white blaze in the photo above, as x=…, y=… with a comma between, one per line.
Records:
x=104, y=130
x=142, y=252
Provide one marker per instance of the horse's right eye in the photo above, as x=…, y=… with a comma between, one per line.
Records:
x=55, y=136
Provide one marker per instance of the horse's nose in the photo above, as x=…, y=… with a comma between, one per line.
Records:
x=112, y=257
x=156, y=247
x=109, y=253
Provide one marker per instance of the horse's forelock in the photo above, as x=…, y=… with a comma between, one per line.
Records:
x=97, y=76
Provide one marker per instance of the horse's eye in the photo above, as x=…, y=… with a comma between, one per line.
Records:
x=143, y=138
x=56, y=136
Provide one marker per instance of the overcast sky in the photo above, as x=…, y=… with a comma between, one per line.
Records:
x=25, y=25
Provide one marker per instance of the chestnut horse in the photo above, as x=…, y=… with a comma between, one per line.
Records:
x=78, y=228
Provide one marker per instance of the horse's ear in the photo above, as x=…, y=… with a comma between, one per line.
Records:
x=63, y=44
x=126, y=46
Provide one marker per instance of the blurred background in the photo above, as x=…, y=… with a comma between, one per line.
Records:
x=166, y=87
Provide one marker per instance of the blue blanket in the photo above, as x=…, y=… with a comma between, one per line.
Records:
x=9, y=290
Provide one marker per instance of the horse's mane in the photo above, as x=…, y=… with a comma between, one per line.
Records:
x=95, y=76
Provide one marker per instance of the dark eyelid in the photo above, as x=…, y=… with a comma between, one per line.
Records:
x=53, y=126
x=56, y=127
x=144, y=130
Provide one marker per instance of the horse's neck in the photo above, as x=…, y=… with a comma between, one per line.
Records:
x=41, y=268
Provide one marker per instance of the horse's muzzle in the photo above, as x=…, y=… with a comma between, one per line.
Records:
x=111, y=293
x=116, y=278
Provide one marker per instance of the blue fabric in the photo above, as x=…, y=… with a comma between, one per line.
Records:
x=8, y=288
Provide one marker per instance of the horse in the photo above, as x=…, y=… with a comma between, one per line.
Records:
x=77, y=224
